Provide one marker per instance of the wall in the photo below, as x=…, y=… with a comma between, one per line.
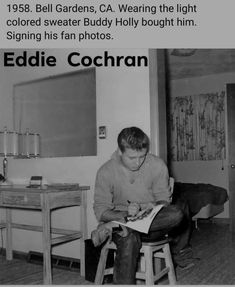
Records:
x=122, y=100
x=213, y=172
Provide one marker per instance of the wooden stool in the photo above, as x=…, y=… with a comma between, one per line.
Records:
x=148, y=251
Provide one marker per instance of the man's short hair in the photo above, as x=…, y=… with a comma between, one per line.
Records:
x=133, y=138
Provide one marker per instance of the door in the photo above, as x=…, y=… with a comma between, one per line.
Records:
x=231, y=151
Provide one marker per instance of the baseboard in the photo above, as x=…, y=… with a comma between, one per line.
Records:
x=16, y=254
x=57, y=261
x=216, y=220
x=221, y=220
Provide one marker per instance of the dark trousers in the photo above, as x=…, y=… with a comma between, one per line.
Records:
x=125, y=265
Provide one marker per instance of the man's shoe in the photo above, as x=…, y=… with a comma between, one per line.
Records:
x=186, y=266
x=102, y=232
x=186, y=252
x=186, y=263
x=184, y=258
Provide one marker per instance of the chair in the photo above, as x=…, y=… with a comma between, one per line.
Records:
x=148, y=270
x=149, y=251
x=171, y=184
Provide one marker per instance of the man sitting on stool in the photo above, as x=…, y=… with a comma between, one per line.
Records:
x=132, y=180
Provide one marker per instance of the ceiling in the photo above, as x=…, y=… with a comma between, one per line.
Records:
x=187, y=63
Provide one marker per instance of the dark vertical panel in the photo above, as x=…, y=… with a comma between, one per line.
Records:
x=231, y=151
x=158, y=103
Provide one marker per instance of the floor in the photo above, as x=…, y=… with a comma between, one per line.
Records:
x=212, y=243
x=215, y=246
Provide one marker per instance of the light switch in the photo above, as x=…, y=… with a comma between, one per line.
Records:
x=102, y=132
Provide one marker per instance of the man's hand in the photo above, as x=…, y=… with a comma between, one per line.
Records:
x=133, y=208
x=149, y=205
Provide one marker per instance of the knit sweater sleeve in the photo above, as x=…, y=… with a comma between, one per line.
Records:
x=160, y=183
x=103, y=192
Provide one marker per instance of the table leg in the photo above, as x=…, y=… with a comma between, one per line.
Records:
x=46, y=240
x=9, y=254
x=83, y=225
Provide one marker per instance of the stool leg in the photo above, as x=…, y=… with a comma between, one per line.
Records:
x=148, y=255
x=169, y=263
x=101, y=266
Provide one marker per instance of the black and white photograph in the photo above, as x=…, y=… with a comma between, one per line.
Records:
x=117, y=166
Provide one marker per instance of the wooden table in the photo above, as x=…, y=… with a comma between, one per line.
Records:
x=45, y=200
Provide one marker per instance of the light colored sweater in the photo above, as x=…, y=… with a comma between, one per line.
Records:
x=113, y=188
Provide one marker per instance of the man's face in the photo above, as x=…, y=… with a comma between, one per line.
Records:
x=133, y=159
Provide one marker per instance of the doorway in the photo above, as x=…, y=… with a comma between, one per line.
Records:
x=231, y=151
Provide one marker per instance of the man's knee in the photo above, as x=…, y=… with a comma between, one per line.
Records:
x=131, y=241
x=176, y=214
x=179, y=213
